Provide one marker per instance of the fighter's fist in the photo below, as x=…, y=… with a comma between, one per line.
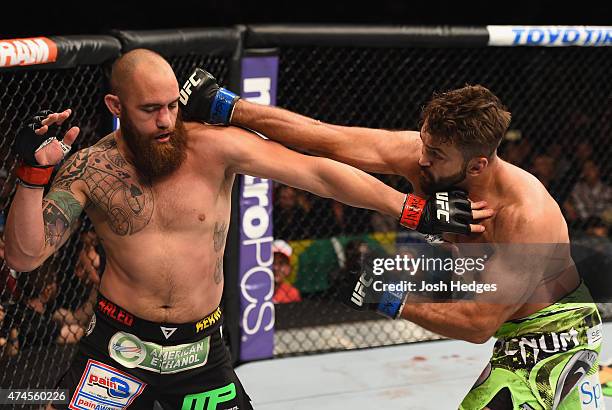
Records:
x=203, y=100
x=39, y=149
x=449, y=211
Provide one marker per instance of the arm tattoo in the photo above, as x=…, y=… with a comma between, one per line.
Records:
x=219, y=270
x=112, y=188
x=60, y=211
x=219, y=236
x=219, y=233
x=126, y=201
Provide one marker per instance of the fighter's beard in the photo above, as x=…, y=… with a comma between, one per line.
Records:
x=431, y=186
x=153, y=159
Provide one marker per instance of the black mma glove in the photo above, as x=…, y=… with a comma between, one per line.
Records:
x=29, y=171
x=203, y=100
x=443, y=212
x=368, y=289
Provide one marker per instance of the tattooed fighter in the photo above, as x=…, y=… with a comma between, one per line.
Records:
x=158, y=192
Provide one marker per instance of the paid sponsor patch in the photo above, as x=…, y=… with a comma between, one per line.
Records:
x=104, y=387
x=131, y=352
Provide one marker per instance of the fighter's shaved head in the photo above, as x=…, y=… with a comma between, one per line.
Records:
x=124, y=67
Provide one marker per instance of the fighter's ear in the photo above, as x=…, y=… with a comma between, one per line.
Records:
x=477, y=164
x=113, y=104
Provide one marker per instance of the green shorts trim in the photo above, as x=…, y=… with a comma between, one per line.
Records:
x=548, y=360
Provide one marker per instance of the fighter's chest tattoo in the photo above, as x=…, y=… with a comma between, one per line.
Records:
x=113, y=188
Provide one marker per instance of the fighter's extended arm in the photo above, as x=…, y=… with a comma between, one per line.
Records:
x=247, y=153
x=373, y=150
x=517, y=266
x=37, y=227
x=252, y=155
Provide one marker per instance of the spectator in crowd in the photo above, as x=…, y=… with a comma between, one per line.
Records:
x=583, y=153
x=32, y=319
x=9, y=343
x=556, y=151
x=383, y=223
x=32, y=314
x=545, y=169
x=291, y=214
x=589, y=197
x=347, y=220
x=517, y=152
x=284, y=292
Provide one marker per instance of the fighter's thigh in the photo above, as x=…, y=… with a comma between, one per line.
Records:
x=500, y=389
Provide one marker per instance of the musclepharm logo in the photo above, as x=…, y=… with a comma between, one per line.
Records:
x=27, y=51
x=442, y=204
x=192, y=81
x=550, y=36
x=209, y=400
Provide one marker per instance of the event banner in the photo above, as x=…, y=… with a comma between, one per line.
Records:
x=258, y=83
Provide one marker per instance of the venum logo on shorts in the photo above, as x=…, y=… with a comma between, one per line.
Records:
x=549, y=343
x=127, y=350
x=209, y=399
x=104, y=387
x=111, y=310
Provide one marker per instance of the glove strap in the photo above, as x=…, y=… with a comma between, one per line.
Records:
x=392, y=303
x=222, y=107
x=412, y=211
x=33, y=177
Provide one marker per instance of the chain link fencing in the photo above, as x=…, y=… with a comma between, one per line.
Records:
x=560, y=100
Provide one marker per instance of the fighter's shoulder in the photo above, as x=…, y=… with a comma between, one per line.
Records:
x=527, y=217
x=211, y=136
x=76, y=166
x=404, y=154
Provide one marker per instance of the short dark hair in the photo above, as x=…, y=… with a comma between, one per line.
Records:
x=471, y=117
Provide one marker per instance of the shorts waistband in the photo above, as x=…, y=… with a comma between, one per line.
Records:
x=157, y=332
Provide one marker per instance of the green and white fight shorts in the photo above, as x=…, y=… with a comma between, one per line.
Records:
x=548, y=360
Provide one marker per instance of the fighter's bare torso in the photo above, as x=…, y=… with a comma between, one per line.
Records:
x=514, y=195
x=164, y=241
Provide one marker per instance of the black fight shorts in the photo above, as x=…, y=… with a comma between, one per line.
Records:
x=127, y=362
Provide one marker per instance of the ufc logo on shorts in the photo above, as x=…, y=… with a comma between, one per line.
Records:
x=186, y=91
x=442, y=204
x=359, y=291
